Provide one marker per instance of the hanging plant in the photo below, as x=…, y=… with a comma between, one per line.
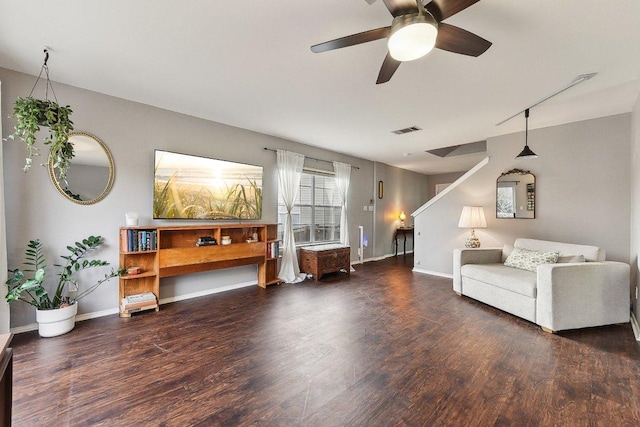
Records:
x=32, y=113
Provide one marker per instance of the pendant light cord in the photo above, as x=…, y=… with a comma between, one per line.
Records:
x=526, y=127
x=45, y=68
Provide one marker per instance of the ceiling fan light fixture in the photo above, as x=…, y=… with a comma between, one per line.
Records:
x=412, y=36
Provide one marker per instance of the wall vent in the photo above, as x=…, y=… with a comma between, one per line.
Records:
x=406, y=130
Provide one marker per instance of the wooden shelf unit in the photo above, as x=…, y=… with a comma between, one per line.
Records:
x=268, y=274
x=177, y=254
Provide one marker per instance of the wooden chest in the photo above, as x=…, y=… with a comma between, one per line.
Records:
x=321, y=259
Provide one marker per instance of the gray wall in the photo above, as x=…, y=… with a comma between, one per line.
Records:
x=583, y=186
x=34, y=209
x=443, y=178
x=635, y=204
x=395, y=200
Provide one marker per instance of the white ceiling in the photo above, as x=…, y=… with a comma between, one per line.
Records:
x=248, y=64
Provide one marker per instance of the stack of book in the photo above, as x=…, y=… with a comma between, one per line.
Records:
x=138, y=302
x=206, y=241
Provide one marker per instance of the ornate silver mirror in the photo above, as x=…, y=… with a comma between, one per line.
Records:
x=516, y=194
x=90, y=176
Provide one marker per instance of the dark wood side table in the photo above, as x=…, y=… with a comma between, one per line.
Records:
x=321, y=259
x=403, y=231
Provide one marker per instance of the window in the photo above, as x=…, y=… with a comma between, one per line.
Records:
x=316, y=214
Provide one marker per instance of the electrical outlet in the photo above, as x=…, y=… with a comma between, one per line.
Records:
x=370, y=208
x=364, y=208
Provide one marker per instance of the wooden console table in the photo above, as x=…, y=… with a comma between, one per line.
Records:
x=404, y=231
x=321, y=259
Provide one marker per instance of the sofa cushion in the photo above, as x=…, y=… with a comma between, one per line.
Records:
x=512, y=279
x=526, y=259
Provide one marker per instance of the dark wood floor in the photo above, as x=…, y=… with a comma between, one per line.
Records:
x=384, y=347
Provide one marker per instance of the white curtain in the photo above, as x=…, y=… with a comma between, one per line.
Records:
x=343, y=176
x=289, y=173
x=4, y=306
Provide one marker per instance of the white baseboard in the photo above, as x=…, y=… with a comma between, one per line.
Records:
x=432, y=273
x=378, y=258
x=26, y=328
x=206, y=292
x=635, y=326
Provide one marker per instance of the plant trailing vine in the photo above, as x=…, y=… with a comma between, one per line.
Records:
x=31, y=289
x=32, y=113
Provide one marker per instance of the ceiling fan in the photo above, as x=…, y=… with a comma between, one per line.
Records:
x=415, y=30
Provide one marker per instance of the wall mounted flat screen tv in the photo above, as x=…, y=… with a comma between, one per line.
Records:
x=193, y=187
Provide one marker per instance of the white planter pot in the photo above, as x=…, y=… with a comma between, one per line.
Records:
x=52, y=323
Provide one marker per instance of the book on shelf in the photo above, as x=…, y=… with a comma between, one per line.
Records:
x=143, y=297
x=141, y=301
x=273, y=249
x=136, y=309
x=138, y=240
x=142, y=304
x=206, y=241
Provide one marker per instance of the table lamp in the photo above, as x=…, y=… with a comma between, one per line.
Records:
x=472, y=217
x=403, y=216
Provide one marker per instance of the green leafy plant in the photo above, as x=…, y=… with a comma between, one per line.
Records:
x=31, y=289
x=32, y=113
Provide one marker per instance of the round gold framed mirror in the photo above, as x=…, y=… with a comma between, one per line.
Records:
x=91, y=174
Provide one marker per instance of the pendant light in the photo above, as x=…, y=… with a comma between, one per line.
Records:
x=526, y=152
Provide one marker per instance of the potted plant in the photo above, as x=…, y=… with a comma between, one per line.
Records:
x=56, y=313
x=32, y=113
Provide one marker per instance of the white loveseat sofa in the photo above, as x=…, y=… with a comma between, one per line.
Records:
x=558, y=296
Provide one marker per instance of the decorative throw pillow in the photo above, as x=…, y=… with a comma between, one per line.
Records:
x=526, y=259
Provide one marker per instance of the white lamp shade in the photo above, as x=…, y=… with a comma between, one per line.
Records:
x=472, y=217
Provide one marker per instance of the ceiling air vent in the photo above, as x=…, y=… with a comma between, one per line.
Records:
x=406, y=130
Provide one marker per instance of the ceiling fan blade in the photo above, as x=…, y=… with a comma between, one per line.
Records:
x=389, y=67
x=365, y=36
x=442, y=9
x=401, y=7
x=461, y=41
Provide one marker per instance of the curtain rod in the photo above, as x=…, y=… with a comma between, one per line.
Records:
x=312, y=158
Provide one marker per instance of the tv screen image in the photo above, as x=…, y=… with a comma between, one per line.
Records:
x=194, y=187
